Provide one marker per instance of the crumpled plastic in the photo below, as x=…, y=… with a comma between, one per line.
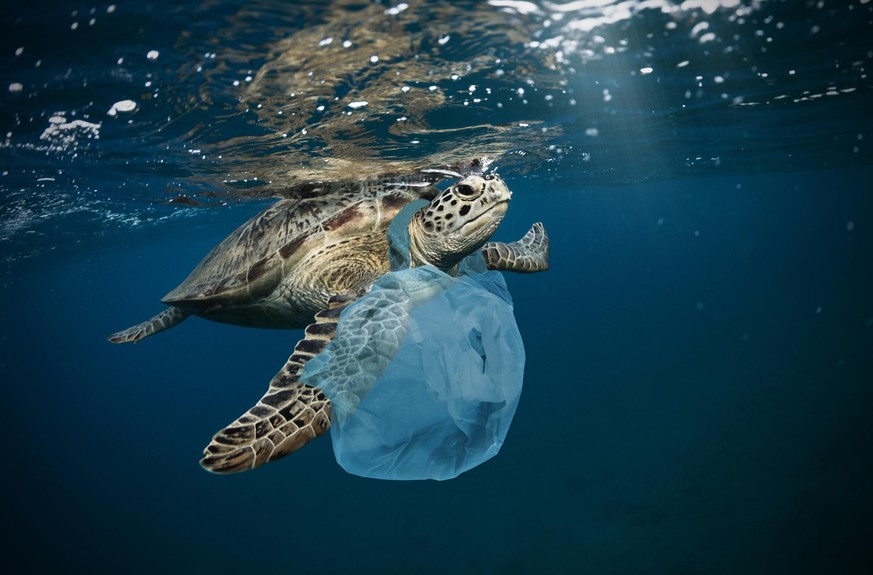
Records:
x=424, y=374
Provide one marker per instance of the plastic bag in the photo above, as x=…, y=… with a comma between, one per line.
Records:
x=424, y=374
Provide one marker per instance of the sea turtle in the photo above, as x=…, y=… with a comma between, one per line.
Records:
x=302, y=261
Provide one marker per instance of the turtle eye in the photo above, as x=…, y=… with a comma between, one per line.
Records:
x=465, y=190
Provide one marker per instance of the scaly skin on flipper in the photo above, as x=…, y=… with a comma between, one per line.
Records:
x=527, y=255
x=288, y=416
x=166, y=319
x=372, y=335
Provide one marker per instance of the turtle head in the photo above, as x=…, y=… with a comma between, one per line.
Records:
x=457, y=222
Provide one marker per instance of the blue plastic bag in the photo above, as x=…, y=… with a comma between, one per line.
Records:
x=424, y=374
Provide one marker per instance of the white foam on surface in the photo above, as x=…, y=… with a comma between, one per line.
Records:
x=122, y=106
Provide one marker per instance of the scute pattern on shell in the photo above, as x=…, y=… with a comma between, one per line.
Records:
x=249, y=262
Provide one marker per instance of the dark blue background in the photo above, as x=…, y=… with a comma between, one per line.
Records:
x=699, y=357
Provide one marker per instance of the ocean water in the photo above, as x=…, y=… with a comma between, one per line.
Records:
x=699, y=380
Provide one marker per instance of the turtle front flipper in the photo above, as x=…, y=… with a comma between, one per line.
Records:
x=165, y=320
x=528, y=255
x=288, y=416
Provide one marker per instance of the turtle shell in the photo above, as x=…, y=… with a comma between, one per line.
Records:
x=251, y=262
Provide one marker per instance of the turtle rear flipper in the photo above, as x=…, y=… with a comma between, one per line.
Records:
x=528, y=255
x=288, y=416
x=168, y=318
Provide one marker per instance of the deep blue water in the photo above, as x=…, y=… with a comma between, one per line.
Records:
x=699, y=377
